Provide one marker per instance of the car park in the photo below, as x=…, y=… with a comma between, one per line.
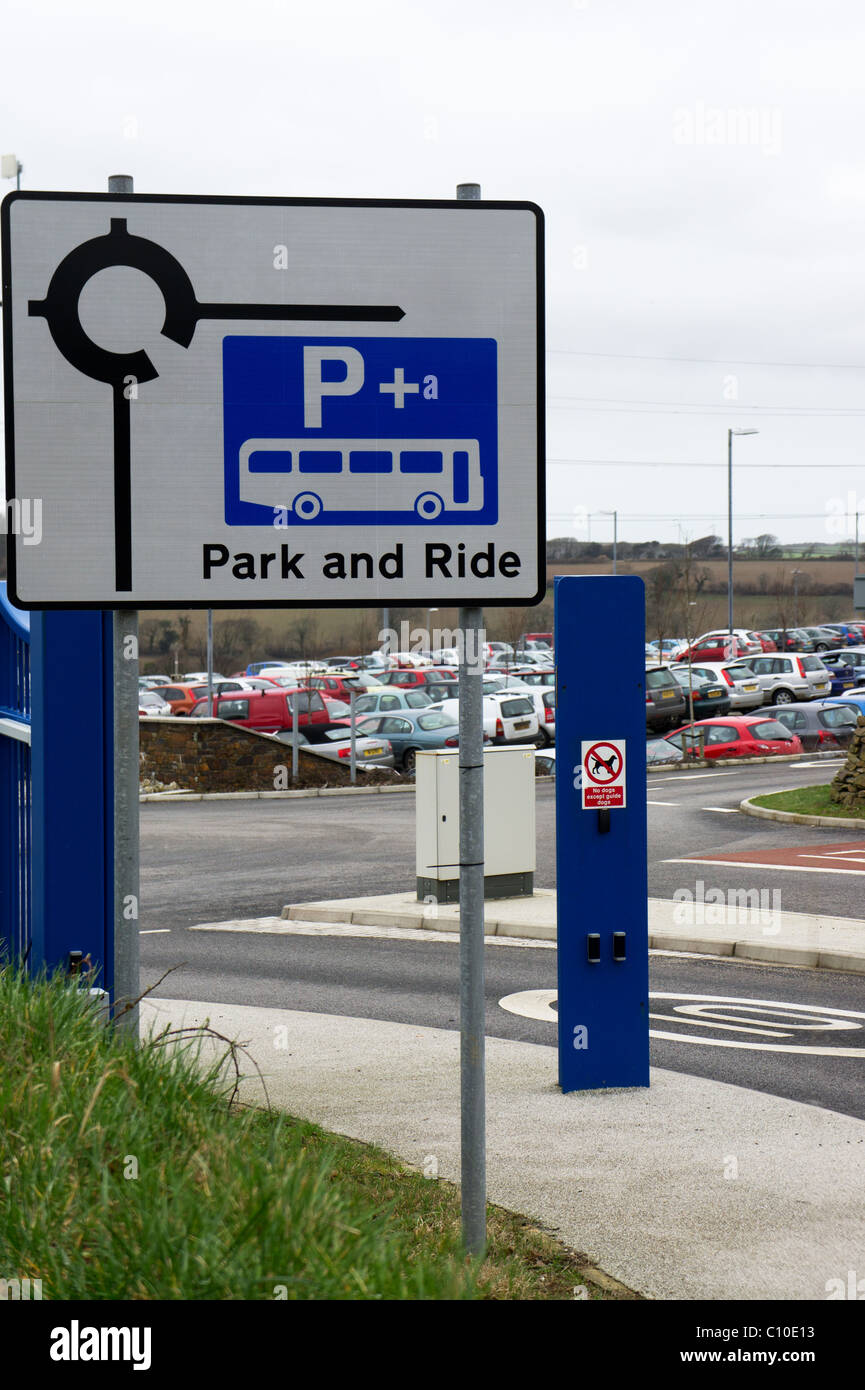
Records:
x=665, y=702
x=740, y=736
x=785, y=678
x=817, y=725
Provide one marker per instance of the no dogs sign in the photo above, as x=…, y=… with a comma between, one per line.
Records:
x=603, y=779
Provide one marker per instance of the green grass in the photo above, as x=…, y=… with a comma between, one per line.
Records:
x=126, y=1173
x=808, y=801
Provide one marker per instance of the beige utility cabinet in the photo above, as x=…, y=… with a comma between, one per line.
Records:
x=509, y=823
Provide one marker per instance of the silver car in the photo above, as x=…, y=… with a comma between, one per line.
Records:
x=738, y=679
x=790, y=676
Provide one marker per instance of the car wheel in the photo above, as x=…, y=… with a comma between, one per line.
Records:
x=543, y=739
x=408, y=759
x=821, y=647
x=784, y=697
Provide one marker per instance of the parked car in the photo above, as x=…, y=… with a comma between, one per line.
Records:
x=739, y=736
x=660, y=750
x=790, y=639
x=787, y=678
x=386, y=700
x=823, y=638
x=854, y=699
x=852, y=659
x=545, y=677
x=747, y=643
x=737, y=677
x=721, y=647
x=848, y=633
x=508, y=717
x=665, y=702
x=841, y=676
x=544, y=701
x=368, y=751
x=340, y=687
x=413, y=731
x=182, y=698
x=272, y=712
x=200, y=677
x=817, y=725
x=709, y=693
x=545, y=762
x=150, y=704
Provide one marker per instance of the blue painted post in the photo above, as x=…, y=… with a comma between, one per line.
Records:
x=603, y=934
x=71, y=665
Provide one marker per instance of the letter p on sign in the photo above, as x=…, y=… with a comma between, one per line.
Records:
x=314, y=388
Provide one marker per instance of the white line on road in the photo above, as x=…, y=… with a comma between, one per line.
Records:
x=723, y=810
x=156, y=931
x=759, y=864
x=662, y=803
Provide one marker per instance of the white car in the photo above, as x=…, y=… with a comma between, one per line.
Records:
x=544, y=701
x=508, y=717
x=737, y=677
x=151, y=704
x=788, y=676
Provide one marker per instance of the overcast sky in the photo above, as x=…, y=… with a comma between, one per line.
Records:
x=701, y=167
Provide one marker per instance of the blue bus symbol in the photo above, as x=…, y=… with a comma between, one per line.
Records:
x=383, y=431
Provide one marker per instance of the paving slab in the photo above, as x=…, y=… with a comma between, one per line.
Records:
x=688, y=1189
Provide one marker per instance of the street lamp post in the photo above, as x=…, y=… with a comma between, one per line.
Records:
x=796, y=574
x=730, y=433
x=615, y=516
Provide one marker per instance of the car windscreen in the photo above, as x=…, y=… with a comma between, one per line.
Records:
x=436, y=719
x=517, y=706
x=833, y=716
x=418, y=699
x=771, y=729
x=659, y=679
x=811, y=663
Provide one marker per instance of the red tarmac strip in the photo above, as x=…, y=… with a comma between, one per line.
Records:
x=847, y=855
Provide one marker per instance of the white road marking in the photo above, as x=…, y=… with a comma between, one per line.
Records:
x=723, y=810
x=759, y=864
x=156, y=931
x=538, y=1004
x=691, y=776
x=728, y=1027
x=662, y=803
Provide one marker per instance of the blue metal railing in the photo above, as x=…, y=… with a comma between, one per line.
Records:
x=16, y=826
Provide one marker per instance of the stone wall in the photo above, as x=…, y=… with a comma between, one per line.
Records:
x=848, y=784
x=210, y=755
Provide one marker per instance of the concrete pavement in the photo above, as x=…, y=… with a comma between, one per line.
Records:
x=739, y=929
x=691, y=1189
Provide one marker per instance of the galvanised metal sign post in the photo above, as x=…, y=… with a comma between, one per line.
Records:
x=230, y=402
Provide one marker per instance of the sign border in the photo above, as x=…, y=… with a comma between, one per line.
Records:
x=467, y=208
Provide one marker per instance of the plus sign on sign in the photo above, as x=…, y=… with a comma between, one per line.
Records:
x=250, y=402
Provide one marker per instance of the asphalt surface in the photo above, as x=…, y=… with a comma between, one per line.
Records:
x=213, y=860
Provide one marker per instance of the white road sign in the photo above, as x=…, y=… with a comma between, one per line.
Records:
x=240, y=402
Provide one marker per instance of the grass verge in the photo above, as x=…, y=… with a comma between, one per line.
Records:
x=808, y=801
x=127, y=1173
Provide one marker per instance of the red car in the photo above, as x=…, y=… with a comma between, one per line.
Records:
x=271, y=712
x=736, y=736
x=417, y=679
